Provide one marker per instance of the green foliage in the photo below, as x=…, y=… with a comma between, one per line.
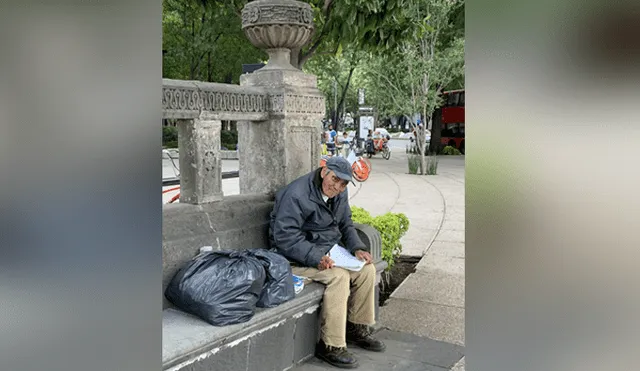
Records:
x=229, y=139
x=414, y=163
x=370, y=25
x=373, y=23
x=172, y=144
x=407, y=79
x=376, y=41
x=203, y=40
x=339, y=70
x=360, y=215
x=229, y=136
x=391, y=226
x=432, y=165
x=169, y=135
x=450, y=151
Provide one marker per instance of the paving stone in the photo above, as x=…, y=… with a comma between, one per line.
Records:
x=433, y=286
x=455, y=215
x=455, y=209
x=434, y=321
x=443, y=263
x=449, y=235
x=415, y=244
x=405, y=352
x=457, y=199
x=424, y=220
x=457, y=225
x=450, y=249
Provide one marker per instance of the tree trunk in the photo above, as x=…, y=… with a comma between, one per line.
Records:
x=192, y=72
x=341, y=101
x=209, y=77
x=421, y=139
x=436, y=129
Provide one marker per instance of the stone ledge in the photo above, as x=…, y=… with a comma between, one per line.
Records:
x=189, y=99
x=186, y=337
x=229, y=155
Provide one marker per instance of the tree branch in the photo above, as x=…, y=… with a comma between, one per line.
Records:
x=306, y=55
x=326, y=7
x=390, y=84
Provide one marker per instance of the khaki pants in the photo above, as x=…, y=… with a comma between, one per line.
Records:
x=348, y=295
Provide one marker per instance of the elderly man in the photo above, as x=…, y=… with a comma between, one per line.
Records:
x=310, y=215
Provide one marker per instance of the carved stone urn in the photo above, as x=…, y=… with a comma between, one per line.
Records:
x=277, y=26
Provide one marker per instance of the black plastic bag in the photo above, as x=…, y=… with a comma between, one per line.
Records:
x=278, y=287
x=221, y=287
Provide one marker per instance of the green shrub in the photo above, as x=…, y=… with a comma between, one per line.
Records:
x=432, y=165
x=414, y=163
x=170, y=144
x=229, y=137
x=169, y=135
x=452, y=151
x=391, y=226
x=228, y=146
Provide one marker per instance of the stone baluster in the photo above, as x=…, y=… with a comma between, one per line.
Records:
x=200, y=161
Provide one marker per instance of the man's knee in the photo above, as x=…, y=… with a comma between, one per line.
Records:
x=369, y=270
x=340, y=282
x=339, y=277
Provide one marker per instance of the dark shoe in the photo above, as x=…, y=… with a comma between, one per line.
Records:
x=338, y=357
x=361, y=336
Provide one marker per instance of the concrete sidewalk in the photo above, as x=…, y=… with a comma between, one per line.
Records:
x=434, y=294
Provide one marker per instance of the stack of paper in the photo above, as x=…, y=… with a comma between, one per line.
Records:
x=344, y=259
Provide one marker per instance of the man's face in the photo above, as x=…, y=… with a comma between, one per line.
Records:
x=331, y=184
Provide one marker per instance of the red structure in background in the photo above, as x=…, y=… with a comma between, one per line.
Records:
x=451, y=120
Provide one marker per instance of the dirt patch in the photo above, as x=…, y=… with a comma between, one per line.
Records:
x=403, y=267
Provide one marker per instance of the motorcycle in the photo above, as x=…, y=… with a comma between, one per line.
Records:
x=375, y=146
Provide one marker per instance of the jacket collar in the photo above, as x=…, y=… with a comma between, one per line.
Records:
x=315, y=186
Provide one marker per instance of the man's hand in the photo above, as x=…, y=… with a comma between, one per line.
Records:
x=364, y=256
x=325, y=263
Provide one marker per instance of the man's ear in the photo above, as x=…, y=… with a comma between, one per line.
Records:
x=323, y=172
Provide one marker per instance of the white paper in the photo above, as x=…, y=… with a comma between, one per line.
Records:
x=344, y=259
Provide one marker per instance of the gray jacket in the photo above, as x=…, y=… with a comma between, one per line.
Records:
x=303, y=227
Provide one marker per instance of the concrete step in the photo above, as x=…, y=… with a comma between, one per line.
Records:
x=405, y=352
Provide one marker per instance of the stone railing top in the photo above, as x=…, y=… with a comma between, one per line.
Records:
x=190, y=99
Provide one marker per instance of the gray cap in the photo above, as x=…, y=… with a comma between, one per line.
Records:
x=341, y=167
